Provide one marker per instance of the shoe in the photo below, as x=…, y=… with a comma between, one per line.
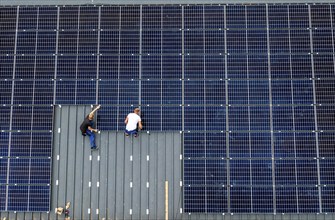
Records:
x=127, y=135
x=136, y=135
x=95, y=148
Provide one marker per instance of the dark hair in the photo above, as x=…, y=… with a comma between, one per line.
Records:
x=87, y=116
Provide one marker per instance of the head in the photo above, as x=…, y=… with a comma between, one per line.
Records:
x=90, y=117
x=137, y=111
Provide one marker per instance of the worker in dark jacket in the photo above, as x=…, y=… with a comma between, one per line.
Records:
x=87, y=128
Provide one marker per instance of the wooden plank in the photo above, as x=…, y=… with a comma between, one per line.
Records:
x=76, y=205
x=119, y=195
x=153, y=172
x=111, y=175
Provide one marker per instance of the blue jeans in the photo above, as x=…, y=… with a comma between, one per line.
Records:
x=92, y=138
x=131, y=132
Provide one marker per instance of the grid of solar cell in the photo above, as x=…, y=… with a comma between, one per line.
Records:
x=251, y=86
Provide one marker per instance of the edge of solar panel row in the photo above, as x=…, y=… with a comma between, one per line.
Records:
x=252, y=88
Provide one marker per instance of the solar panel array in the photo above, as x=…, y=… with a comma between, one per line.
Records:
x=251, y=86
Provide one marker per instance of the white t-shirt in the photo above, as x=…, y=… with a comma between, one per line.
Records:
x=133, y=119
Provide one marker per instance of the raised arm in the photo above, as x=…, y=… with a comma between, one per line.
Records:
x=94, y=110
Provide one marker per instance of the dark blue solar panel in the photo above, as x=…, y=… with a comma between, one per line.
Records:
x=47, y=18
x=284, y=145
x=152, y=117
x=109, y=42
x=108, y=67
x=65, y=92
x=194, y=67
x=327, y=173
x=240, y=199
x=216, y=172
x=110, y=17
x=21, y=118
x=151, y=92
x=3, y=197
x=308, y=201
x=89, y=18
x=214, y=16
x=3, y=173
x=39, y=198
x=278, y=16
x=6, y=65
x=325, y=118
x=108, y=92
x=87, y=67
x=19, y=170
x=279, y=41
x=286, y=200
x=105, y=116
x=216, y=145
x=216, y=199
x=67, y=42
x=24, y=67
x=40, y=171
x=7, y=45
x=298, y=16
x=194, y=198
x=215, y=118
x=20, y=145
x=46, y=43
x=18, y=198
x=194, y=118
x=5, y=117
x=262, y=199
x=41, y=144
x=239, y=145
x=152, y=17
x=194, y=92
x=68, y=18
x=320, y=15
x=85, y=92
x=285, y=171
x=151, y=42
x=240, y=172
x=326, y=144
x=9, y=18
x=171, y=118
x=324, y=66
x=43, y=92
x=194, y=145
x=4, y=143
x=236, y=41
x=27, y=18
x=328, y=199
x=26, y=42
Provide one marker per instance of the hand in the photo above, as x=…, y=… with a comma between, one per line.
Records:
x=98, y=107
x=96, y=130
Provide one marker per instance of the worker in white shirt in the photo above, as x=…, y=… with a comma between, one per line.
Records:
x=132, y=120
